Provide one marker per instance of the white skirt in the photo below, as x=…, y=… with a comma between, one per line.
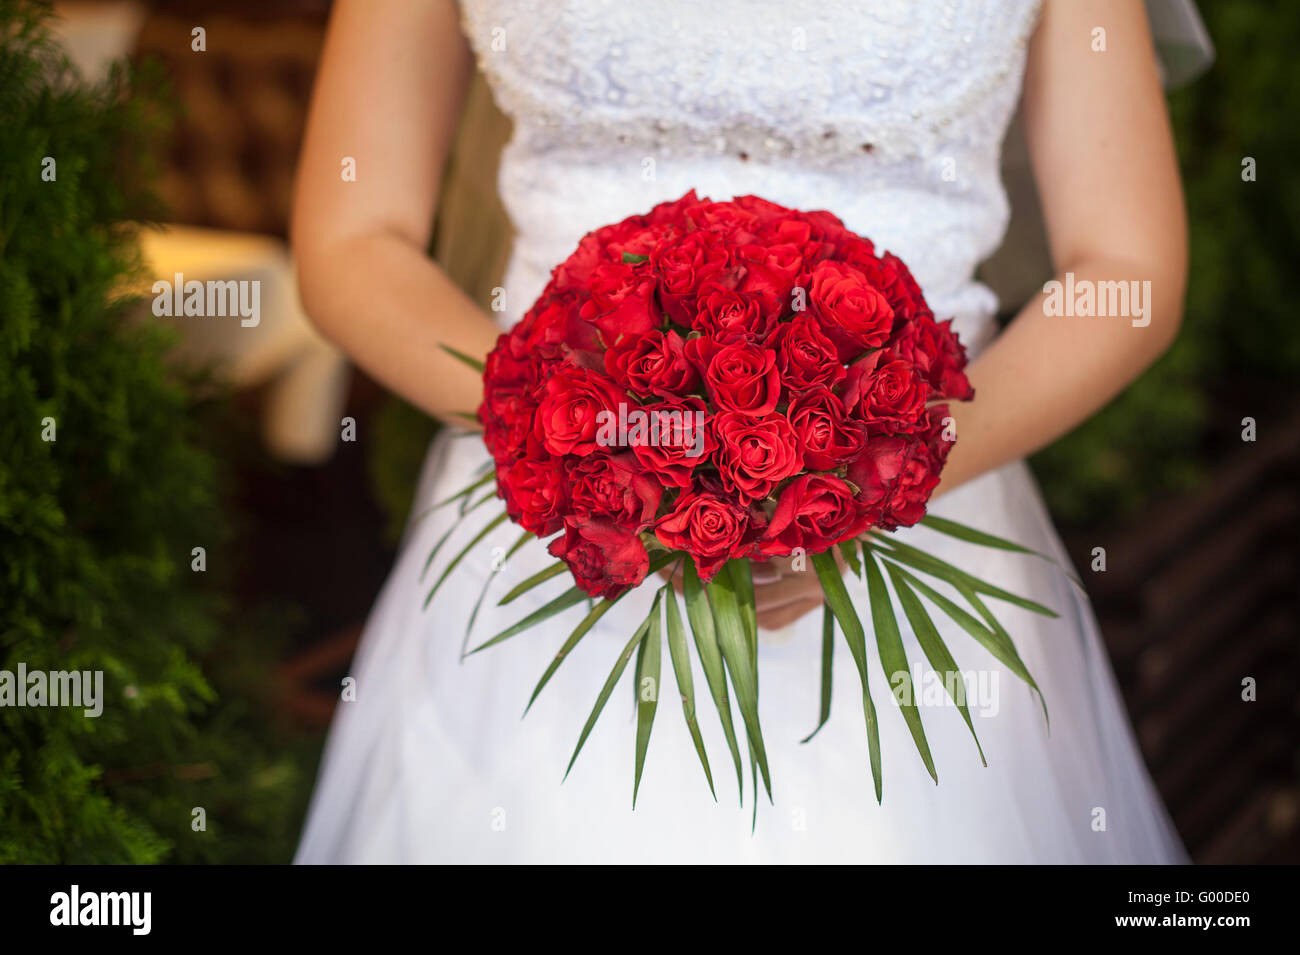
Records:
x=432, y=761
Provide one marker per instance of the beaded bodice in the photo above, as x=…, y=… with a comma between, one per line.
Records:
x=890, y=114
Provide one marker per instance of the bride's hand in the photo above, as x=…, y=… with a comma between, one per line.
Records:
x=781, y=594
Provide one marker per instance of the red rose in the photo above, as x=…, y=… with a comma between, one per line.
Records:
x=553, y=328
x=637, y=238
x=885, y=392
x=947, y=374
x=938, y=439
x=771, y=272
x=728, y=218
x=937, y=353
x=726, y=316
x=576, y=271
x=755, y=454
x=570, y=413
x=763, y=210
x=827, y=436
x=506, y=365
x=891, y=276
x=674, y=212
x=534, y=492
x=510, y=387
x=804, y=356
x=815, y=512
x=620, y=302
x=793, y=232
x=614, y=487
x=853, y=314
x=605, y=559
x=615, y=237
x=739, y=377
x=895, y=476
x=828, y=227
x=707, y=526
x=683, y=268
x=860, y=254
x=506, y=431
x=653, y=363
x=505, y=434
x=677, y=439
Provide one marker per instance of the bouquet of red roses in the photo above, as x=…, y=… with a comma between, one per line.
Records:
x=715, y=383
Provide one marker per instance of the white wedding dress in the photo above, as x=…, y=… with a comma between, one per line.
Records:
x=891, y=115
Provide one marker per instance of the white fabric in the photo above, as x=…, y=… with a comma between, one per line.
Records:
x=432, y=761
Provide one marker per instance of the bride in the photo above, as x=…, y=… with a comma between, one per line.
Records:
x=891, y=115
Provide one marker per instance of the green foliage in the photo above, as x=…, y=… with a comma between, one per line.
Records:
x=97, y=525
x=401, y=438
x=1238, y=351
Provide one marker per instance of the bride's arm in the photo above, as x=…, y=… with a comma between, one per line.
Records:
x=1107, y=177
x=392, y=81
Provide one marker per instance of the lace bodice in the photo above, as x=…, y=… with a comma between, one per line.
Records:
x=890, y=114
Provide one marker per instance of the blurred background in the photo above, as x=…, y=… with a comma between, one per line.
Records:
x=235, y=440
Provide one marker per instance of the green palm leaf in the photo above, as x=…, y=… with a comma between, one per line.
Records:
x=700, y=615
x=619, y=666
x=571, y=597
x=742, y=581
x=428, y=561
x=580, y=631
x=541, y=577
x=753, y=785
x=463, y=492
x=889, y=644
x=988, y=638
x=936, y=651
x=734, y=643
x=681, y=660
x=849, y=549
x=984, y=539
x=972, y=536
x=647, y=680
x=482, y=594
x=463, y=358
x=455, y=561
x=828, y=658
x=935, y=567
x=1000, y=632
x=837, y=598
x=564, y=601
